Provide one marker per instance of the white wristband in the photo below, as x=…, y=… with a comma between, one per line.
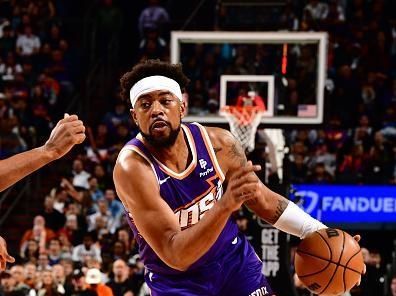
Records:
x=296, y=222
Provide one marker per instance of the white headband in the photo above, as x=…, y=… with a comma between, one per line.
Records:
x=152, y=83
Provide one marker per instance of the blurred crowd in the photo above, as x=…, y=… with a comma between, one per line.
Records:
x=80, y=243
x=37, y=73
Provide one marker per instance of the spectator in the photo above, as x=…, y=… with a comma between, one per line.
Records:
x=7, y=41
x=48, y=286
x=114, y=118
x=8, y=283
x=43, y=262
x=87, y=249
x=102, y=177
x=94, y=190
x=119, y=251
x=39, y=233
x=31, y=277
x=120, y=284
x=316, y=10
x=105, y=214
x=9, y=68
x=115, y=206
x=152, y=45
x=320, y=175
x=153, y=17
x=54, y=219
x=60, y=199
x=94, y=263
x=18, y=274
x=80, y=176
x=80, y=287
x=42, y=12
x=59, y=276
x=298, y=170
x=54, y=251
x=93, y=278
x=123, y=235
x=28, y=44
x=393, y=285
x=31, y=251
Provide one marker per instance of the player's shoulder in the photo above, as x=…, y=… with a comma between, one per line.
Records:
x=220, y=136
x=131, y=161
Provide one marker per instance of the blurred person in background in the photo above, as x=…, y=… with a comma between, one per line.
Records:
x=393, y=285
x=43, y=262
x=31, y=252
x=54, y=219
x=153, y=17
x=59, y=276
x=87, y=248
x=80, y=175
x=40, y=233
x=120, y=283
x=80, y=287
x=94, y=280
x=47, y=285
x=54, y=251
x=8, y=285
x=373, y=281
x=31, y=276
x=18, y=274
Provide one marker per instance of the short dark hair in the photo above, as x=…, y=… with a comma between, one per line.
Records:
x=151, y=68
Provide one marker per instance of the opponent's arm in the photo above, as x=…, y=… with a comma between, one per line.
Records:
x=268, y=205
x=68, y=132
x=137, y=187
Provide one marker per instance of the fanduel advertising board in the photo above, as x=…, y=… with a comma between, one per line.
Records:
x=347, y=204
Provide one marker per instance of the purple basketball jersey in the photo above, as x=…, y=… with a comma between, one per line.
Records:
x=190, y=194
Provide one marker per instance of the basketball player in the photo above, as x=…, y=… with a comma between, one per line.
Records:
x=171, y=179
x=68, y=132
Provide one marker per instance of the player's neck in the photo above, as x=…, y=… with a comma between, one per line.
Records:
x=176, y=157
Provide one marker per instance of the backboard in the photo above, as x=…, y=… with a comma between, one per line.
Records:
x=285, y=70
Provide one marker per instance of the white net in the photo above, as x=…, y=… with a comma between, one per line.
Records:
x=243, y=123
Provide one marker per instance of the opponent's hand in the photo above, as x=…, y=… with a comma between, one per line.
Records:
x=4, y=256
x=357, y=238
x=243, y=185
x=68, y=132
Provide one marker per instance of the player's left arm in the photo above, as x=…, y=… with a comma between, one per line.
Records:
x=269, y=206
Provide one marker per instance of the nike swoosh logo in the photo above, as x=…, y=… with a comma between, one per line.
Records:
x=163, y=180
x=234, y=242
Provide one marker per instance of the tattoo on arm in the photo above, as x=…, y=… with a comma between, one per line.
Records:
x=217, y=149
x=282, y=204
x=236, y=152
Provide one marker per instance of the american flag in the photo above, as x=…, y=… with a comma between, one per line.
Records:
x=306, y=111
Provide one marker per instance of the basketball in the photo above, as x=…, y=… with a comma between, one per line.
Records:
x=329, y=262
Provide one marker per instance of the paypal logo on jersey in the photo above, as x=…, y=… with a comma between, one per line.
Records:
x=203, y=163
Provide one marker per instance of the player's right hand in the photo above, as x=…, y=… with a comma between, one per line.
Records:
x=68, y=132
x=243, y=185
x=4, y=256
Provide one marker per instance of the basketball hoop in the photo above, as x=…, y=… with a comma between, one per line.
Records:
x=243, y=123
